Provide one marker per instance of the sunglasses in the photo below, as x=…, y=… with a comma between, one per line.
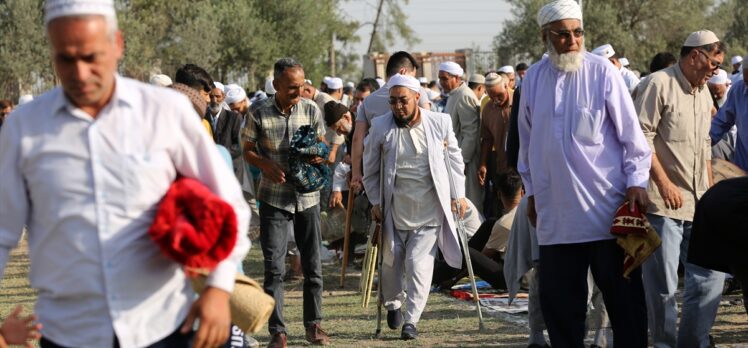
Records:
x=713, y=64
x=566, y=34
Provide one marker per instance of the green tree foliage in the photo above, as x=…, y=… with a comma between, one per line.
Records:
x=26, y=66
x=393, y=25
x=637, y=29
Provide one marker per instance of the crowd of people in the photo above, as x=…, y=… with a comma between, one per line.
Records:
x=533, y=162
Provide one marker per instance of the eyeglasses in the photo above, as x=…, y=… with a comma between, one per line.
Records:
x=566, y=34
x=713, y=64
x=396, y=101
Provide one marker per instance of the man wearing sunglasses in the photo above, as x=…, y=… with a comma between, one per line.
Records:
x=582, y=155
x=674, y=108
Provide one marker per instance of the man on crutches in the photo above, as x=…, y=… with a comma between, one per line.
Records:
x=418, y=204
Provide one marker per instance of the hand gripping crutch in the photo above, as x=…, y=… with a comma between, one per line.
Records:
x=380, y=243
x=463, y=237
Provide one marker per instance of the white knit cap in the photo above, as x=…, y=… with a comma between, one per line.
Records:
x=334, y=83
x=220, y=86
x=451, y=68
x=720, y=78
x=700, y=38
x=558, y=10
x=605, y=51
x=507, y=69
x=67, y=8
x=234, y=93
x=160, y=80
x=736, y=60
x=406, y=81
x=493, y=79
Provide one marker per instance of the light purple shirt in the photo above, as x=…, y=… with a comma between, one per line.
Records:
x=581, y=147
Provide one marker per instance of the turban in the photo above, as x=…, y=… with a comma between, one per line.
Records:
x=452, y=68
x=558, y=10
x=507, y=69
x=477, y=78
x=493, y=79
x=67, y=8
x=269, y=89
x=406, y=81
x=700, y=38
x=334, y=111
x=160, y=80
x=198, y=102
x=220, y=86
x=624, y=62
x=234, y=94
x=719, y=78
x=736, y=60
x=605, y=51
x=334, y=83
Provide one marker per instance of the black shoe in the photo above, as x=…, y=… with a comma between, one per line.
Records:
x=409, y=332
x=394, y=319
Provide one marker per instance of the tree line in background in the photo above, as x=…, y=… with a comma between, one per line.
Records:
x=236, y=41
x=637, y=29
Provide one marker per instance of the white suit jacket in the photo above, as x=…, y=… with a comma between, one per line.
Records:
x=438, y=128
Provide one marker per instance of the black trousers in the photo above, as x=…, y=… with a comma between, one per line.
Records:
x=175, y=340
x=563, y=293
x=274, y=225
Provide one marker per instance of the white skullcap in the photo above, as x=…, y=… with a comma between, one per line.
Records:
x=350, y=84
x=220, y=86
x=493, y=79
x=720, y=78
x=605, y=51
x=423, y=79
x=558, y=10
x=700, y=38
x=234, y=93
x=334, y=83
x=326, y=80
x=67, y=8
x=380, y=81
x=25, y=99
x=308, y=82
x=451, y=68
x=736, y=60
x=624, y=61
x=507, y=69
x=160, y=80
x=406, y=81
x=477, y=78
x=269, y=89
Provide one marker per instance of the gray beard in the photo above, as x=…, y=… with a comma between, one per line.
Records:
x=566, y=62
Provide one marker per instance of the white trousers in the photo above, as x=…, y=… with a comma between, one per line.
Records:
x=411, y=271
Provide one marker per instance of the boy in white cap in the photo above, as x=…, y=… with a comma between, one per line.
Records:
x=674, y=108
x=418, y=204
x=582, y=155
x=84, y=167
x=736, y=62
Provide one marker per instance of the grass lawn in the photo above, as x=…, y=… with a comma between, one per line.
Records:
x=445, y=322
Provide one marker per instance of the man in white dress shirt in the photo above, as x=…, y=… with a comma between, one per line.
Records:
x=85, y=175
x=417, y=215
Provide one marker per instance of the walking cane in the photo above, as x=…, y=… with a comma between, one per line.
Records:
x=347, y=236
x=463, y=239
x=380, y=239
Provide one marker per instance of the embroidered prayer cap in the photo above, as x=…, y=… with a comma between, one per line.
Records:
x=334, y=83
x=720, y=78
x=700, y=38
x=160, y=80
x=605, y=51
x=493, y=79
x=451, y=68
x=68, y=8
x=406, y=81
x=507, y=69
x=477, y=78
x=558, y=10
x=624, y=62
x=234, y=94
x=736, y=60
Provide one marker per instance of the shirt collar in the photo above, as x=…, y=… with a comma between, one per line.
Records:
x=462, y=83
x=683, y=81
x=280, y=111
x=61, y=102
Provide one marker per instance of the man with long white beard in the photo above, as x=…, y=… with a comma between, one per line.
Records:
x=582, y=155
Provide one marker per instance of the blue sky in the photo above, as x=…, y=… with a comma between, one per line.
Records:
x=442, y=25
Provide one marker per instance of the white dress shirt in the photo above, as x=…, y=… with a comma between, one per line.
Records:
x=88, y=189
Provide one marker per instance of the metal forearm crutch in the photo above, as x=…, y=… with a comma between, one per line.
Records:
x=462, y=234
x=380, y=240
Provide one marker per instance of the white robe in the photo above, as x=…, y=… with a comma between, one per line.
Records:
x=438, y=128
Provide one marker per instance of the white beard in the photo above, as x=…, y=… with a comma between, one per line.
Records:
x=566, y=62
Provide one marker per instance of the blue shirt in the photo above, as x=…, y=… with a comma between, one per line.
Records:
x=734, y=112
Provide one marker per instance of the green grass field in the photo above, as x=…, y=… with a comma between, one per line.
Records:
x=446, y=322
